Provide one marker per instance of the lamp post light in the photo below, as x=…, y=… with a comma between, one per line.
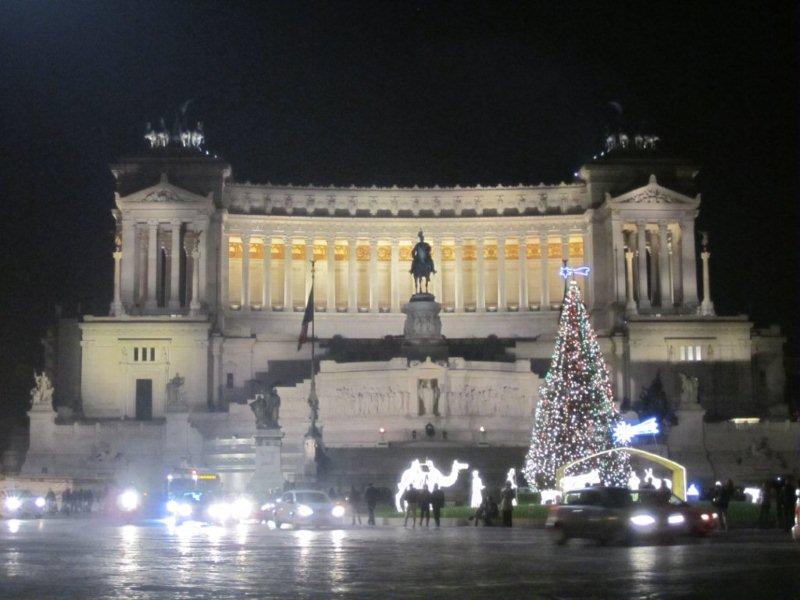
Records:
x=382, y=432
x=482, y=441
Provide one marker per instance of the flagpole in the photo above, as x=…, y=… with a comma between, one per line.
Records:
x=313, y=320
x=313, y=402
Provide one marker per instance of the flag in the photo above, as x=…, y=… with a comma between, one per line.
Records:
x=308, y=316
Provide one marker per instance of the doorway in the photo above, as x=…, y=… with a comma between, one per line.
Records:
x=144, y=399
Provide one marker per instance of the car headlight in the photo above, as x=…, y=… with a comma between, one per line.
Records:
x=184, y=509
x=242, y=509
x=268, y=506
x=675, y=519
x=705, y=517
x=172, y=507
x=220, y=511
x=642, y=520
x=305, y=511
x=13, y=503
x=40, y=502
x=338, y=511
x=128, y=500
x=715, y=515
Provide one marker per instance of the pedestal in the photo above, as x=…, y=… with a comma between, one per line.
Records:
x=267, y=475
x=422, y=333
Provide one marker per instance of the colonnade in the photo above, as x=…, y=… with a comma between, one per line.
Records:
x=370, y=274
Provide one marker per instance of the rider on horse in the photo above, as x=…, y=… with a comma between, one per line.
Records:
x=421, y=263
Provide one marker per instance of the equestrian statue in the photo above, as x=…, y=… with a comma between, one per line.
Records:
x=421, y=264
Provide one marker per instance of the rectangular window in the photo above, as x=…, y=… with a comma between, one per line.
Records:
x=229, y=381
x=136, y=354
x=144, y=354
x=697, y=352
x=683, y=352
x=152, y=354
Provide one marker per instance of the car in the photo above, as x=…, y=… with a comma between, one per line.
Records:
x=307, y=508
x=19, y=504
x=616, y=514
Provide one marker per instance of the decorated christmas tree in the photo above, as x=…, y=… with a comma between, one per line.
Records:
x=576, y=415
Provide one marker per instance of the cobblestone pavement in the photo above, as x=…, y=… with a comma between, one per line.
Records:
x=93, y=559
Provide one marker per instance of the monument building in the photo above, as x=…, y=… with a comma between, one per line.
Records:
x=212, y=277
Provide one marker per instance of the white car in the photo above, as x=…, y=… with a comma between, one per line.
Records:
x=307, y=508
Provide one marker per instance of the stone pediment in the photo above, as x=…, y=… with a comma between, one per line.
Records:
x=164, y=193
x=653, y=195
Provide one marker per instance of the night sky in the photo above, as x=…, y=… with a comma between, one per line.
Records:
x=384, y=93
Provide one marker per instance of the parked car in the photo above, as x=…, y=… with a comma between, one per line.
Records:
x=611, y=514
x=304, y=508
x=19, y=504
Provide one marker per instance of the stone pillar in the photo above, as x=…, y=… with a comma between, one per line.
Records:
x=245, y=289
x=152, y=264
x=618, y=262
x=458, y=276
x=502, y=302
x=641, y=234
x=395, y=283
x=202, y=230
x=194, y=305
x=523, y=272
x=630, y=304
x=707, y=306
x=128, y=262
x=688, y=263
x=480, y=295
x=175, y=266
x=373, y=275
x=438, y=278
x=664, y=282
x=352, y=276
x=266, y=273
x=330, y=259
x=288, y=298
x=117, y=309
x=544, y=258
x=224, y=288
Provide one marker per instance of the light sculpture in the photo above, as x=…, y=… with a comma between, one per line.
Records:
x=511, y=478
x=625, y=432
x=476, y=496
x=425, y=474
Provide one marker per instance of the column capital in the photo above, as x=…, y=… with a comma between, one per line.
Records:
x=117, y=254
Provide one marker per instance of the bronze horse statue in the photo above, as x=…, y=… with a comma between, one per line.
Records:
x=421, y=264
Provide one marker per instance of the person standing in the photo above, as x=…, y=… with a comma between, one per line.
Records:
x=424, y=496
x=507, y=498
x=720, y=500
x=371, y=498
x=437, y=502
x=355, y=504
x=409, y=500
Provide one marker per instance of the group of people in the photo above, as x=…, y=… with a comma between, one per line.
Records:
x=783, y=491
x=489, y=511
x=356, y=501
x=426, y=500
x=78, y=501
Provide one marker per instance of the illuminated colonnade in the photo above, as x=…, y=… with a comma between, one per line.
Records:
x=370, y=274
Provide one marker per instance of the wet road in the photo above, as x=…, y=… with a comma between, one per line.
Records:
x=92, y=559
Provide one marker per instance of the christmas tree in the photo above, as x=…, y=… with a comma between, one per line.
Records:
x=576, y=415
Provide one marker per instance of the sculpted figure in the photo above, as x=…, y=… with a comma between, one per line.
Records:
x=273, y=409
x=421, y=264
x=42, y=392
x=175, y=392
x=259, y=408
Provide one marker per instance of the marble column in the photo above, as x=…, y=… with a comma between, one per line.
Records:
x=288, y=296
x=117, y=309
x=458, y=276
x=224, y=272
x=373, y=275
x=437, y=280
x=641, y=234
x=630, y=304
x=523, y=273
x=502, y=302
x=544, y=257
x=194, y=304
x=201, y=230
x=175, y=266
x=618, y=243
x=245, y=289
x=395, y=276
x=688, y=263
x=128, y=262
x=152, y=264
x=707, y=305
x=266, y=273
x=330, y=260
x=352, y=276
x=663, y=266
x=480, y=295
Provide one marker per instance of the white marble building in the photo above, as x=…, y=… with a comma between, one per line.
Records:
x=212, y=275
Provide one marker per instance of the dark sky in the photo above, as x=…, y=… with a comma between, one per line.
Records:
x=406, y=93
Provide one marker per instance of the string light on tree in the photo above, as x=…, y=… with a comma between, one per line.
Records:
x=576, y=416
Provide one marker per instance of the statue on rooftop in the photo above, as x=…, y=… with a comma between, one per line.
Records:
x=42, y=392
x=421, y=264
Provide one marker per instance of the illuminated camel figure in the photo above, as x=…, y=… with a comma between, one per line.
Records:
x=511, y=478
x=425, y=474
x=657, y=483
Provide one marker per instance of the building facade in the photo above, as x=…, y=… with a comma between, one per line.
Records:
x=212, y=275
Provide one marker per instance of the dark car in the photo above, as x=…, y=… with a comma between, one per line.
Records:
x=610, y=514
x=18, y=504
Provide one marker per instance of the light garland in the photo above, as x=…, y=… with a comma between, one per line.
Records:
x=576, y=415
